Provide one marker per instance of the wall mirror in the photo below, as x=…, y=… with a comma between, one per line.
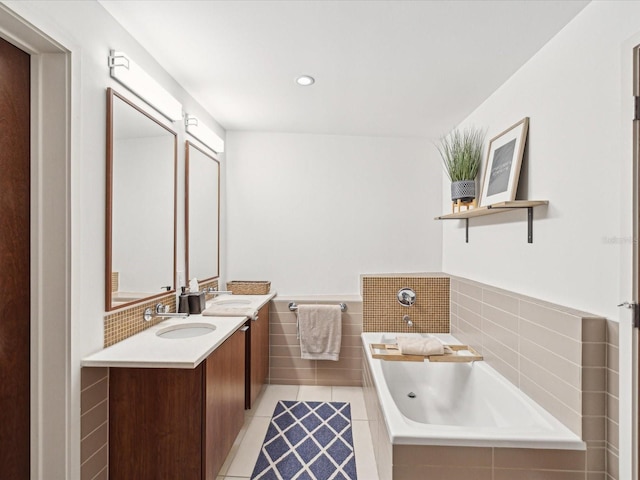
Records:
x=141, y=198
x=202, y=214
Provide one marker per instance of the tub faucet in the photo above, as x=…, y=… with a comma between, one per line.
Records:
x=407, y=319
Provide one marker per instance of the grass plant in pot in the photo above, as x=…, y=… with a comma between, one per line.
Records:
x=461, y=153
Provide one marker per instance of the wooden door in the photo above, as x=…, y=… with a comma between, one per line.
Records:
x=14, y=262
x=225, y=397
x=258, y=355
x=636, y=232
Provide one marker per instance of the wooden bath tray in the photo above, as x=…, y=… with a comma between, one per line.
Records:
x=390, y=351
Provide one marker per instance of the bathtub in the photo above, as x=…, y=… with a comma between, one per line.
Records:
x=458, y=404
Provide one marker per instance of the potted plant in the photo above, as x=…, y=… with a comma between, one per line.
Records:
x=461, y=153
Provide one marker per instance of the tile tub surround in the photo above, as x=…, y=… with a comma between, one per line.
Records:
x=287, y=368
x=409, y=462
x=94, y=423
x=554, y=354
x=383, y=313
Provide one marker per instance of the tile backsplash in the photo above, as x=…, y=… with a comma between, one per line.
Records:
x=126, y=322
x=383, y=313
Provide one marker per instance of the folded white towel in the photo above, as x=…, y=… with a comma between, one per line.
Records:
x=224, y=311
x=420, y=346
x=320, y=329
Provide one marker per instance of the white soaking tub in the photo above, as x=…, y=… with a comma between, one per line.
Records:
x=458, y=404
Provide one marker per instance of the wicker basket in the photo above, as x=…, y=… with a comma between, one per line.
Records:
x=247, y=287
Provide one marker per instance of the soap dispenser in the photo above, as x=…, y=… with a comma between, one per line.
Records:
x=183, y=301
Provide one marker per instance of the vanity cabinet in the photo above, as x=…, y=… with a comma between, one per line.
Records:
x=167, y=423
x=257, y=355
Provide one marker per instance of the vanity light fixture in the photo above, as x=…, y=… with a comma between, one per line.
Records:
x=305, y=80
x=196, y=129
x=132, y=76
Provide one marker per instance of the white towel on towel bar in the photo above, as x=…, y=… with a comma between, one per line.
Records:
x=320, y=331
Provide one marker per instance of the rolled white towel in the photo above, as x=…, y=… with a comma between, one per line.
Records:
x=224, y=311
x=420, y=346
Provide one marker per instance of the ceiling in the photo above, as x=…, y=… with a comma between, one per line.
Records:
x=382, y=68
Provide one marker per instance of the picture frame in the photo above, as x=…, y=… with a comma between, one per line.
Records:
x=502, y=168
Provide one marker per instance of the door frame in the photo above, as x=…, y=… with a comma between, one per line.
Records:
x=635, y=338
x=55, y=418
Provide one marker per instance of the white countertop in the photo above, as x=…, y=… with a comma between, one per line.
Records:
x=147, y=350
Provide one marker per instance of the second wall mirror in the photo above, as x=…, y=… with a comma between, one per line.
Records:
x=202, y=214
x=141, y=198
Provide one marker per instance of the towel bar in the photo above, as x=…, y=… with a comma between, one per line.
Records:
x=293, y=306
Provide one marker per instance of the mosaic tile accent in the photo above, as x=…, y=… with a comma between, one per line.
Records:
x=128, y=321
x=383, y=313
x=310, y=440
x=115, y=281
x=207, y=284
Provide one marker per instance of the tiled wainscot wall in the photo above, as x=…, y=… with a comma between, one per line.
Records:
x=562, y=358
x=286, y=366
x=612, y=384
x=94, y=424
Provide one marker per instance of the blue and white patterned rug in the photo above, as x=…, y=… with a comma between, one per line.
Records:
x=308, y=441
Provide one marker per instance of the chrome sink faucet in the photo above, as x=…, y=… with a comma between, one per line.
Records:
x=215, y=291
x=161, y=311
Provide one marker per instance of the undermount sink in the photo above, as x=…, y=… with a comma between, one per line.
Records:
x=186, y=330
x=235, y=301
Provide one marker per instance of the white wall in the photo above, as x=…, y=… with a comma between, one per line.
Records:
x=577, y=93
x=89, y=32
x=313, y=212
x=571, y=90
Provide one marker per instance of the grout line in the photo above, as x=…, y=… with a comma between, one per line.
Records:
x=555, y=352
x=555, y=332
x=106, y=422
x=97, y=474
x=94, y=454
x=94, y=384
x=549, y=372
x=94, y=407
x=554, y=396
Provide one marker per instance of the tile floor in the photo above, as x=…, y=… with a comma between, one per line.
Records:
x=244, y=453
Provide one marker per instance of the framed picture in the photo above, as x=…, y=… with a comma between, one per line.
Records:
x=504, y=160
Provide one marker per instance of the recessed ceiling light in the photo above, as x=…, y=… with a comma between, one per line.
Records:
x=305, y=80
